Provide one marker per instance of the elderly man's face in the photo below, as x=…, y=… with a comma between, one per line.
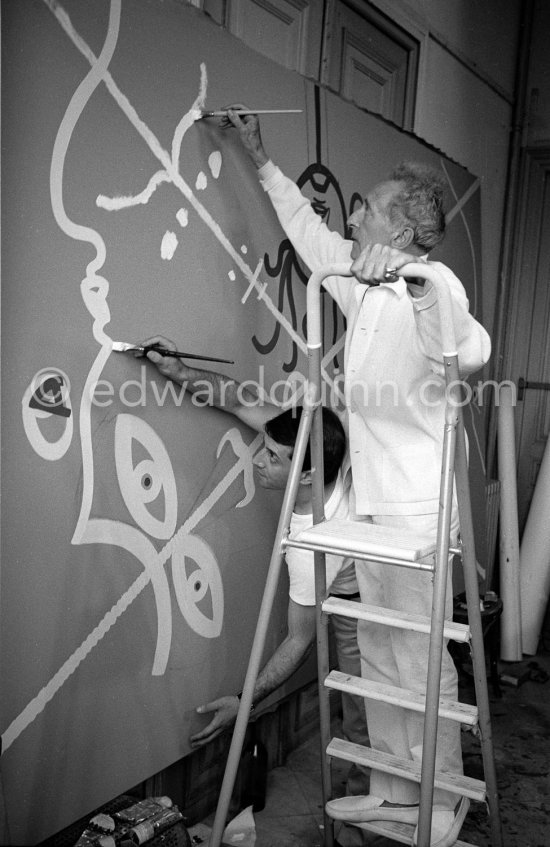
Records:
x=369, y=224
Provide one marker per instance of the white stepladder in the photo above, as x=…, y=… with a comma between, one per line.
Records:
x=365, y=541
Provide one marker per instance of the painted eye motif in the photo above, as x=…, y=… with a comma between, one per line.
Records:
x=47, y=411
x=197, y=578
x=144, y=483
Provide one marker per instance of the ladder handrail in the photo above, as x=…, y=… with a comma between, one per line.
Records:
x=410, y=270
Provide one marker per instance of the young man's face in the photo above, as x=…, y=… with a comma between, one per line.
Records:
x=369, y=223
x=272, y=464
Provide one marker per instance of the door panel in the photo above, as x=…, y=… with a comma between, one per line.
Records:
x=373, y=62
x=286, y=31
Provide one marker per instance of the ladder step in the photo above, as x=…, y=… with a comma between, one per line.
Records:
x=401, y=620
x=465, y=786
x=461, y=712
x=364, y=541
x=402, y=832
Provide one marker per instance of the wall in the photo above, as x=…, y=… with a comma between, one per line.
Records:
x=135, y=541
x=538, y=85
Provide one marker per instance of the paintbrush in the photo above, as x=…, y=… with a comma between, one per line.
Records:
x=221, y=113
x=125, y=347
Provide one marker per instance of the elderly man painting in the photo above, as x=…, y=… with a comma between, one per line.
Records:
x=395, y=398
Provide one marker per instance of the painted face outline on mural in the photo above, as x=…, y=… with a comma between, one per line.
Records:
x=133, y=535
x=369, y=224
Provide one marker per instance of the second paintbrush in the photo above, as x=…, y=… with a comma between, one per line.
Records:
x=221, y=113
x=125, y=347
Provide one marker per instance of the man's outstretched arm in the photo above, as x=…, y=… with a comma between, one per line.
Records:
x=222, y=391
x=285, y=660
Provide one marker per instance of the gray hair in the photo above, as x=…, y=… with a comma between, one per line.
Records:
x=419, y=202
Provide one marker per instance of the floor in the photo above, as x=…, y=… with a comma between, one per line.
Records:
x=521, y=736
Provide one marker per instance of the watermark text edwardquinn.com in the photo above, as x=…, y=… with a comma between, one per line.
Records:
x=141, y=392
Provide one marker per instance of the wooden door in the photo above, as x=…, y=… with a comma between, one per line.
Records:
x=371, y=60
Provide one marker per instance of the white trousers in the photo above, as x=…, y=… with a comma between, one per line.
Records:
x=400, y=657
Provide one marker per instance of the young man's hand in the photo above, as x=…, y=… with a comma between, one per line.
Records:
x=169, y=366
x=225, y=712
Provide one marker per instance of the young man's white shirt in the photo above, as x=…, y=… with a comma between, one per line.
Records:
x=340, y=571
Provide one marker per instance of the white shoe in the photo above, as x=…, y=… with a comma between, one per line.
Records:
x=446, y=825
x=361, y=808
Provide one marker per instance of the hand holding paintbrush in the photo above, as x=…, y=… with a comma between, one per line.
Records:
x=163, y=348
x=163, y=354
x=247, y=125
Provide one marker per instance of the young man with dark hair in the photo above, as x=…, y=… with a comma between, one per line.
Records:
x=272, y=467
x=283, y=428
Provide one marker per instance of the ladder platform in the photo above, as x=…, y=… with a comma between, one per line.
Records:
x=402, y=832
x=465, y=786
x=390, y=617
x=464, y=713
x=363, y=540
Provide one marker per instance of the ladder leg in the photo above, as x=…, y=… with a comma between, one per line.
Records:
x=436, y=645
x=272, y=582
x=323, y=693
x=318, y=488
x=478, y=652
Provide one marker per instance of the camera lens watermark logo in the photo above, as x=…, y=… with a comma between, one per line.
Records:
x=48, y=397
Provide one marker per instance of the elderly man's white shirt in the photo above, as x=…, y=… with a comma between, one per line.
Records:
x=394, y=380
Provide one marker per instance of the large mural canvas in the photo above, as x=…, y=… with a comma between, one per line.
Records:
x=135, y=541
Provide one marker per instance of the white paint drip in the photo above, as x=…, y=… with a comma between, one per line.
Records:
x=168, y=245
x=244, y=249
x=215, y=163
x=201, y=182
x=189, y=119
x=182, y=217
x=232, y=276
